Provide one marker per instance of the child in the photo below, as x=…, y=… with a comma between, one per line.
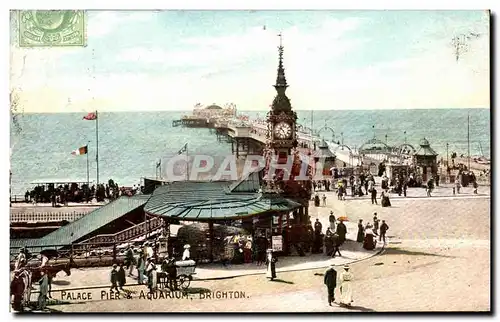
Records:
x=114, y=278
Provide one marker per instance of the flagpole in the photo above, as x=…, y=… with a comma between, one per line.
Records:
x=97, y=144
x=187, y=162
x=88, y=177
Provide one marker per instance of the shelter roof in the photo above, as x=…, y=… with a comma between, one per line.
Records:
x=425, y=149
x=90, y=222
x=202, y=201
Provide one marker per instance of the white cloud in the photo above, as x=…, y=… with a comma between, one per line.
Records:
x=227, y=71
x=104, y=22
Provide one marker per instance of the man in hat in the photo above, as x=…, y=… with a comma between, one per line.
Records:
x=151, y=274
x=172, y=274
x=331, y=219
x=375, y=223
x=141, y=265
x=383, y=229
x=336, y=244
x=44, y=288
x=114, y=278
x=149, y=250
x=187, y=254
x=129, y=260
x=330, y=281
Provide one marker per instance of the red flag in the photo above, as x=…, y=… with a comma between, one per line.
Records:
x=90, y=117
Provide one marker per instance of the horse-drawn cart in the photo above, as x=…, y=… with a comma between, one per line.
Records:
x=184, y=275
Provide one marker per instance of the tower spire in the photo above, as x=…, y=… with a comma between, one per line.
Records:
x=281, y=84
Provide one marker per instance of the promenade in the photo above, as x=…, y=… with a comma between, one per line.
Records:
x=432, y=244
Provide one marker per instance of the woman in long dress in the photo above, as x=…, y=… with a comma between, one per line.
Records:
x=369, y=241
x=346, y=287
x=271, y=265
x=361, y=232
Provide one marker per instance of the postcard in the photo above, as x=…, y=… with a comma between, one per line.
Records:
x=250, y=161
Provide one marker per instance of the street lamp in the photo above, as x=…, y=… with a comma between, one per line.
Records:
x=342, y=137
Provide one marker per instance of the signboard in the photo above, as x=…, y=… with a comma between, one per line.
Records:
x=277, y=243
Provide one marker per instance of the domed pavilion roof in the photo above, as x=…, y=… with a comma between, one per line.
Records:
x=213, y=107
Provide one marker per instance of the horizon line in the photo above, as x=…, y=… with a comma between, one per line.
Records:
x=266, y=110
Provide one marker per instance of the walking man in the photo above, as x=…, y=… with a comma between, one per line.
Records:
x=383, y=229
x=129, y=260
x=374, y=196
x=44, y=288
x=330, y=281
x=375, y=223
x=336, y=245
x=141, y=265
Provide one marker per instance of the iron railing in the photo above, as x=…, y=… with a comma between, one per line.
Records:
x=46, y=216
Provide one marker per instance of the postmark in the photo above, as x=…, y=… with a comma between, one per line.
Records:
x=52, y=28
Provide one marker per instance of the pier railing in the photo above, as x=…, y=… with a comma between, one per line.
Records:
x=45, y=216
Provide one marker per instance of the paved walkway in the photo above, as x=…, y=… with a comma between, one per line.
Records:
x=352, y=251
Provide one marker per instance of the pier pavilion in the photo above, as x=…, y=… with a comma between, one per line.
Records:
x=426, y=159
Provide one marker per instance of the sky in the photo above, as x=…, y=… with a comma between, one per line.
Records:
x=334, y=60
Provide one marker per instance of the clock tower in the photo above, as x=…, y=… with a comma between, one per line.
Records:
x=281, y=120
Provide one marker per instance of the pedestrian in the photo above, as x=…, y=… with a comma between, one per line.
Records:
x=346, y=287
x=374, y=196
x=474, y=184
x=130, y=260
x=383, y=229
x=187, y=254
x=375, y=223
x=271, y=265
x=341, y=231
x=324, y=200
x=331, y=219
x=172, y=274
x=361, y=232
x=330, y=281
x=141, y=265
x=369, y=242
x=122, y=280
x=336, y=244
x=151, y=274
x=114, y=278
x=44, y=288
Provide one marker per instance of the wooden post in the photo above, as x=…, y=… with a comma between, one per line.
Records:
x=211, y=242
x=114, y=252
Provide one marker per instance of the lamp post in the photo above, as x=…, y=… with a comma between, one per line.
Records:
x=342, y=137
x=447, y=160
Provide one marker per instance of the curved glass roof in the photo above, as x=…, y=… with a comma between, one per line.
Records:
x=202, y=201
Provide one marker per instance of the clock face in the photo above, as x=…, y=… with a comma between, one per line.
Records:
x=283, y=130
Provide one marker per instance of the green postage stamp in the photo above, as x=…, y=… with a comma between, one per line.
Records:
x=51, y=28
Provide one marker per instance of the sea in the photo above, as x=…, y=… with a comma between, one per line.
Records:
x=131, y=143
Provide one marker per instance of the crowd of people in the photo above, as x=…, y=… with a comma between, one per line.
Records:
x=78, y=193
